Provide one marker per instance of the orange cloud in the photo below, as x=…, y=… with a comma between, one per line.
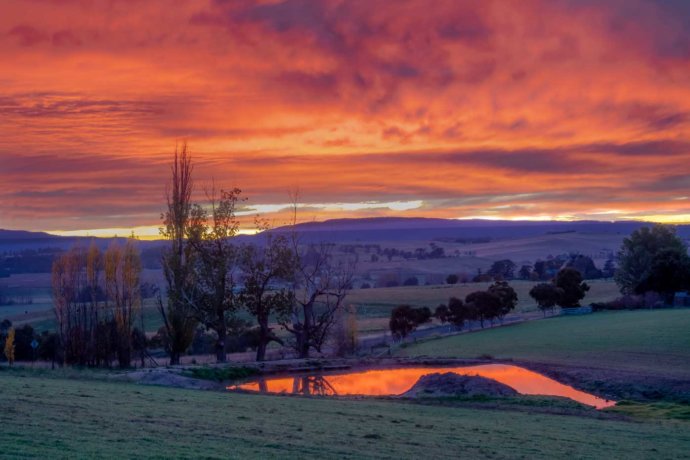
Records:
x=478, y=108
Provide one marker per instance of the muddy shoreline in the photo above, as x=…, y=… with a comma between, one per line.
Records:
x=605, y=383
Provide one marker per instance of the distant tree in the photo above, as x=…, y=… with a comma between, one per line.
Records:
x=9, y=346
x=441, y=313
x=585, y=265
x=547, y=296
x=609, y=269
x=452, y=279
x=637, y=264
x=365, y=286
x=574, y=289
x=486, y=305
x=458, y=312
x=411, y=281
x=405, y=319
x=670, y=272
x=506, y=295
x=525, y=272
x=502, y=269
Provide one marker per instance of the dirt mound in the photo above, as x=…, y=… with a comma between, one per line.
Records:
x=168, y=379
x=451, y=384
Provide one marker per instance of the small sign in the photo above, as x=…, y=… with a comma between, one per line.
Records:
x=34, y=344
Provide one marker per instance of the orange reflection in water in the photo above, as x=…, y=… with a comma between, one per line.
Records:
x=386, y=382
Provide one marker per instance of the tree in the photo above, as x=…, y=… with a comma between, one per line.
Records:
x=212, y=298
x=458, y=312
x=507, y=296
x=547, y=295
x=122, y=270
x=441, y=313
x=9, y=346
x=486, y=305
x=525, y=272
x=670, y=272
x=636, y=259
x=405, y=319
x=502, y=269
x=178, y=259
x=320, y=284
x=574, y=289
x=452, y=279
x=585, y=265
x=266, y=265
x=609, y=269
x=80, y=306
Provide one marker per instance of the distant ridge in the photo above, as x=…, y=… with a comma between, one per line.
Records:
x=421, y=228
x=371, y=229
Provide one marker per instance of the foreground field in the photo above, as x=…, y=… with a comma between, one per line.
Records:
x=650, y=341
x=49, y=417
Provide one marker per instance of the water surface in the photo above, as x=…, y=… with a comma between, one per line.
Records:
x=390, y=382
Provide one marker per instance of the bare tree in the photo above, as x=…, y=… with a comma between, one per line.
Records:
x=178, y=259
x=321, y=284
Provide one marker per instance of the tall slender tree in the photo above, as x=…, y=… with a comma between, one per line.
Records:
x=123, y=280
x=178, y=259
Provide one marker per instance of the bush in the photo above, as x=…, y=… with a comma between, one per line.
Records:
x=452, y=279
x=411, y=281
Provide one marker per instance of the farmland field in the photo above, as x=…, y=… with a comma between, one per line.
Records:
x=51, y=417
x=651, y=341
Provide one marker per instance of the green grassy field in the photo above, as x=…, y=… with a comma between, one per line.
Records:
x=379, y=301
x=651, y=341
x=52, y=417
x=373, y=305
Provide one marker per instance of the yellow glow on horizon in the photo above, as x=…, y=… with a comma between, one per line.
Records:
x=152, y=232
x=142, y=232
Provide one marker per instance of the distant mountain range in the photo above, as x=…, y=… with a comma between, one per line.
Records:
x=370, y=230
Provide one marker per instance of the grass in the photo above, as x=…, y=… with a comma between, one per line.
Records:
x=650, y=341
x=648, y=411
x=379, y=301
x=220, y=374
x=53, y=417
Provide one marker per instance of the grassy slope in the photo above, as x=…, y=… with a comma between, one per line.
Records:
x=650, y=341
x=46, y=417
x=375, y=302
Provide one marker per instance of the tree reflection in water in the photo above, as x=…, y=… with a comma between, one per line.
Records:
x=313, y=385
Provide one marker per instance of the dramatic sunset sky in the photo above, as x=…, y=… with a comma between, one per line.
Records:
x=495, y=109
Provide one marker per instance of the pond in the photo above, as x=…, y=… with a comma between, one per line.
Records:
x=396, y=381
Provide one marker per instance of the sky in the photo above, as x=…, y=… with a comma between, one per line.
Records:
x=554, y=109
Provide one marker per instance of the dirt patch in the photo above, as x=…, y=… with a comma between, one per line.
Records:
x=451, y=384
x=615, y=384
x=168, y=378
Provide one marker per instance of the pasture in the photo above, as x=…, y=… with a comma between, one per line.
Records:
x=649, y=341
x=53, y=417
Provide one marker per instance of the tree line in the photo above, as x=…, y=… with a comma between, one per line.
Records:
x=209, y=277
x=483, y=306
